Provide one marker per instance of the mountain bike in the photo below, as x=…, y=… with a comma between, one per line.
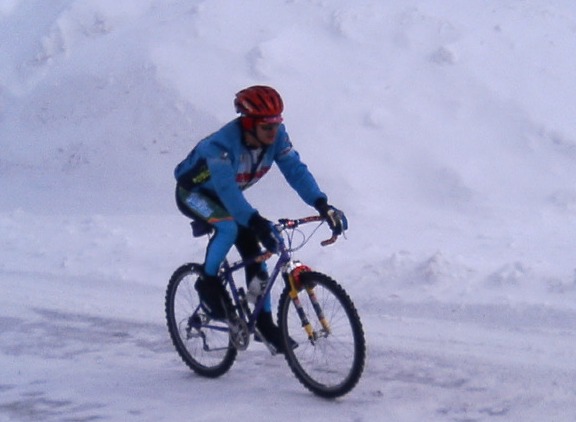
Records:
x=322, y=335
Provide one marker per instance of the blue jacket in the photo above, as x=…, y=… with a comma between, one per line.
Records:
x=223, y=166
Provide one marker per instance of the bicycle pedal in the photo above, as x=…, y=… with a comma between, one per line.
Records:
x=259, y=338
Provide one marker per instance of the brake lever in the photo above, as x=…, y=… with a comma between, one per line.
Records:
x=329, y=241
x=285, y=223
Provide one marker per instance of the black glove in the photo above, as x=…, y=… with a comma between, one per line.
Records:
x=336, y=219
x=265, y=232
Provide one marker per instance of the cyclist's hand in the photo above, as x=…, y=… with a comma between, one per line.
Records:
x=265, y=232
x=336, y=219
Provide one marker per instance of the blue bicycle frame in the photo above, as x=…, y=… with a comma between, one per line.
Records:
x=284, y=259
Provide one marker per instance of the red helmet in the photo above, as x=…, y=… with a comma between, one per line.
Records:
x=259, y=103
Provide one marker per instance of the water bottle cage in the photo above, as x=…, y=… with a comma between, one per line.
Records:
x=255, y=288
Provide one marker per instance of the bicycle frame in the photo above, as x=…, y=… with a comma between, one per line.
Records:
x=282, y=265
x=228, y=269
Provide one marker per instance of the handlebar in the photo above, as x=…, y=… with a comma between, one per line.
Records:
x=286, y=223
x=290, y=224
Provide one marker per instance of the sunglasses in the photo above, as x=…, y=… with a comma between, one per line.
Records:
x=269, y=127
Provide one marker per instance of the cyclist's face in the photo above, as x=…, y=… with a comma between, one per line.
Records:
x=266, y=132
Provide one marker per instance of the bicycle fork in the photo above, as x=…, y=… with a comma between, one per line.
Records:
x=293, y=276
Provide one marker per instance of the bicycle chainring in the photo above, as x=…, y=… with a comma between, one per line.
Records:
x=239, y=333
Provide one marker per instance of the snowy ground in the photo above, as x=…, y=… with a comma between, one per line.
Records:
x=444, y=130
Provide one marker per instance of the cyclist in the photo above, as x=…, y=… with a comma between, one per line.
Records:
x=210, y=181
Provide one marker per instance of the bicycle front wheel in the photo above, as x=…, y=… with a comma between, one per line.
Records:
x=204, y=345
x=331, y=350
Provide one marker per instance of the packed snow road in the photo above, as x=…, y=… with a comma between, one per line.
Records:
x=426, y=362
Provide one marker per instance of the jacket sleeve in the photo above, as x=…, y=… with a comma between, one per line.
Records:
x=223, y=180
x=296, y=172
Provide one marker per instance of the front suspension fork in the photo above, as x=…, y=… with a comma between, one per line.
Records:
x=294, y=279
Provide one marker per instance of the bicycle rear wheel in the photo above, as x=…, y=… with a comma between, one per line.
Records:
x=204, y=345
x=329, y=362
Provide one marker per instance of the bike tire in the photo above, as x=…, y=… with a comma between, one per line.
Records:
x=332, y=365
x=181, y=303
